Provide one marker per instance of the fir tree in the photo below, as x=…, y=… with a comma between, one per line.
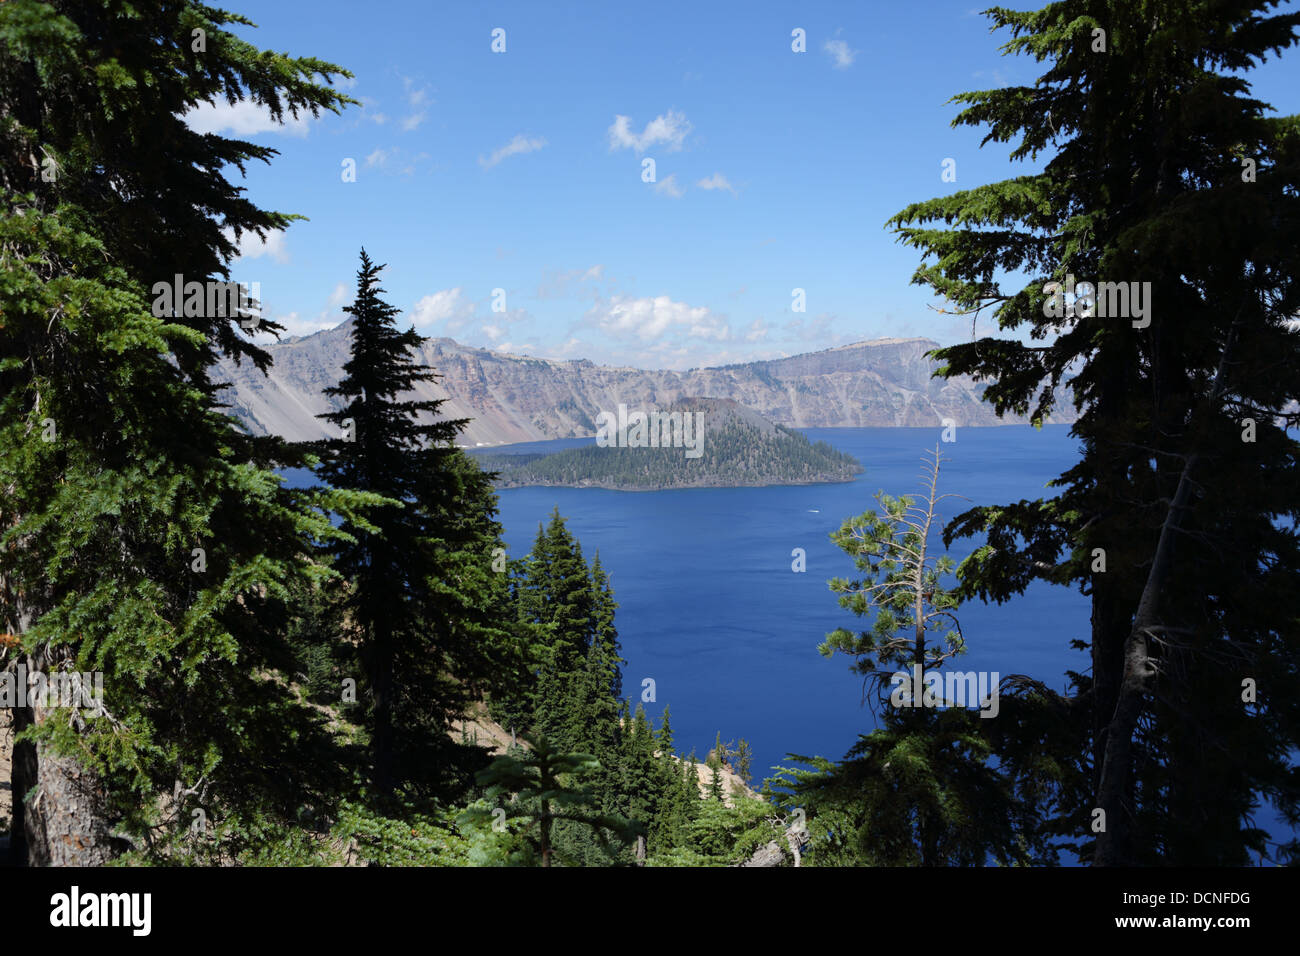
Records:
x=741, y=758
x=549, y=791
x=715, y=764
x=605, y=634
x=144, y=534
x=922, y=789
x=390, y=448
x=1154, y=143
x=557, y=598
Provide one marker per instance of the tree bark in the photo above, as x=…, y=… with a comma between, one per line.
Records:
x=60, y=806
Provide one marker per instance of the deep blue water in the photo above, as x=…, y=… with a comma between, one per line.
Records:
x=711, y=610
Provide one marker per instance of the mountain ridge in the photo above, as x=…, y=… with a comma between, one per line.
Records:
x=511, y=398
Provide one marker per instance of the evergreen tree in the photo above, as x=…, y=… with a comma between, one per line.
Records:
x=605, y=635
x=742, y=757
x=548, y=789
x=668, y=816
x=691, y=775
x=557, y=597
x=715, y=764
x=467, y=650
x=144, y=535
x=1179, y=521
x=721, y=835
x=923, y=789
x=664, y=736
x=390, y=448
x=640, y=781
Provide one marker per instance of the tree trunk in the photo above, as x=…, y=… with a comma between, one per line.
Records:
x=1114, y=781
x=1138, y=670
x=60, y=806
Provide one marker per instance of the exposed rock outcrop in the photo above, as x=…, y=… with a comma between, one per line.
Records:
x=513, y=398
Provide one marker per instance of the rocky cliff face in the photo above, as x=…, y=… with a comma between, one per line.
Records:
x=513, y=398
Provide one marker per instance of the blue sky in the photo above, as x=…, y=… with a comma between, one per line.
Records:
x=523, y=170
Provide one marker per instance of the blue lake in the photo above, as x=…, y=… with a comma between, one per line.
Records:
x=711, y=610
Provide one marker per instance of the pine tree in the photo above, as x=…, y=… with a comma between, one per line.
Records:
x=389, y=448
x=742, y=757
x=468, y=649
x=605, y=636
x=549, y=789
x=715, y=763
x=515, y=706
x=1179, y=521
x=557, y=597
x=641, y=784
x=144, y=535
x=664, y=736
x=923, y=789
x=674, y=810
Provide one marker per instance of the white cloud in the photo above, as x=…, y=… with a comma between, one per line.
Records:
x=520, y=144
x=717, y=181
x=251, y=246
x=242, y=118
x=670, y=129
x=840, y=53
x=649, y=318
x=396, y=161
x=669, y=187
x=500, y=323
x=449, y=306
x=757, y=331
x=339, y=295
x=415, y=98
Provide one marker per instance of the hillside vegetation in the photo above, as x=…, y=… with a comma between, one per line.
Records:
x=738, y=448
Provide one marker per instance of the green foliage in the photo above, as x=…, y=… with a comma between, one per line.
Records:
x=1133, y=185
x=102, y=512
x=411, y=837
x=547, y=789
x=722, y=835
x=926, y=788
x=429, y=610
x=902, y=590
x=734, y=454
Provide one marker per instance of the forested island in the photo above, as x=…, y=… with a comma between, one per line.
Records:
x=737, y=448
